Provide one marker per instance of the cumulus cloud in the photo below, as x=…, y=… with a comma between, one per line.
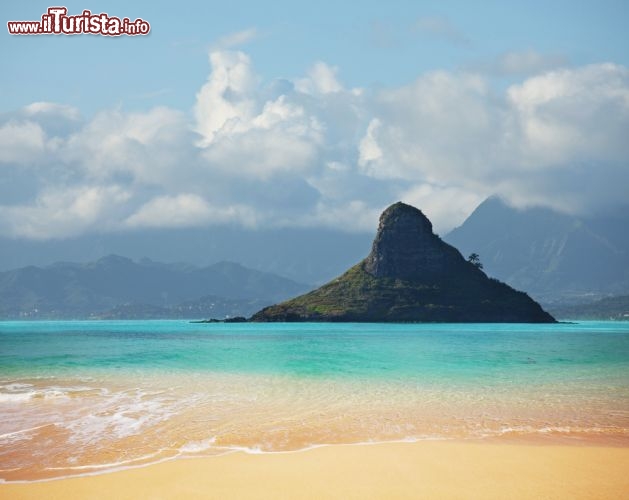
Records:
x=431, y=129
x=243, y=135
x=59, y=213
x=187, y=210
x=143, y=148
x=571, y=127
x=309, y=152
x=280, y=138
x=568, y=115
x=321, y=79
x=34, y=131
x=22, y=142
x=543, y=142
x=369, y=153
x=225, y=101
x=53, y=109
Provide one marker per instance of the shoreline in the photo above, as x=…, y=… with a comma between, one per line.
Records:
x=430, y=468
x=563, y=440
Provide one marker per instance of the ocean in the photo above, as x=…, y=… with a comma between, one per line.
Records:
x=82, y=397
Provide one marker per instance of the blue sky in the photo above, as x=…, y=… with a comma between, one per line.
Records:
x=272, y=114
x=373, y=43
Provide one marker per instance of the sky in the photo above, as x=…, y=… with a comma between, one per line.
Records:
x=311, y=114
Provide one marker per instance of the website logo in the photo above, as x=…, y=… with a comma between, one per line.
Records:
x=56, y=21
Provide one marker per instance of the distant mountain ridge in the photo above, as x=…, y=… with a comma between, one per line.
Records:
x=555, y=257
x=610, y=308
x=305, y=255
x=70, y=290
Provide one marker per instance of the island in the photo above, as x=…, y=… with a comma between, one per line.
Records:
x=411, y=275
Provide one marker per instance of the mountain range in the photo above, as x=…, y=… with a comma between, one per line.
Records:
x=305, y=255
x=116, y=286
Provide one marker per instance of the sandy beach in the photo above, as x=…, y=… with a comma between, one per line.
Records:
x=456, y=411
x=431, y=469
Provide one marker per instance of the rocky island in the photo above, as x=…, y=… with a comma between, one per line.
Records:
x=411, y=275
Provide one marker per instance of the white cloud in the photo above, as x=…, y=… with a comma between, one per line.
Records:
x=52, y=109
x=59, y=213
x=146, y=147
x=225, y=101
x=573, y=115
x=308, y=152
x=244, y=137
x=263, y=153
x=369, y=153
x=543, y=141
x=187, y=210
x=429, y=130
x=21, y=143
x=321, y=79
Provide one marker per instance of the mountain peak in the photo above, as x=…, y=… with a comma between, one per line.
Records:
x=405, y=246
x=401, y=216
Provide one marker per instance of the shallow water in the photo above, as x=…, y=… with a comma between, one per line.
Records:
x=81, y=397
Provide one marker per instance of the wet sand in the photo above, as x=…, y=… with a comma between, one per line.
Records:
x=427, y=469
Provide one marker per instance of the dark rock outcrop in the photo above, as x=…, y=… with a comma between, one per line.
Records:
x=405, y=248
x=411, y=275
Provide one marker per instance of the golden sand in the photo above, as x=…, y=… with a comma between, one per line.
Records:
x=428, y=469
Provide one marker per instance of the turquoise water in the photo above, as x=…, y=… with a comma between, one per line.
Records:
x=87, y=396
x=590, y=350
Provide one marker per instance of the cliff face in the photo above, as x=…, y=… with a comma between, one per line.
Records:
x=411, y=275
x=405, y=248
